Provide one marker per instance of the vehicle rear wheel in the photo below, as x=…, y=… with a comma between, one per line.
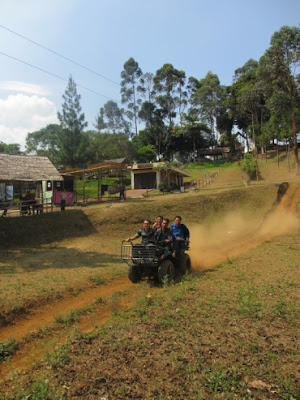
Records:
x=134, y=274
x=185, y=265
x=166, y=271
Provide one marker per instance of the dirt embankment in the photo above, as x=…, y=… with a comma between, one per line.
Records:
x=197, y=207
x=46, y=228
x=235, y=234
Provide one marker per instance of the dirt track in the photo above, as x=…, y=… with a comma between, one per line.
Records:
x=237, y=237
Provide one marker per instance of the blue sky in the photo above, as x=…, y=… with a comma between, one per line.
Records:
x=194, y=35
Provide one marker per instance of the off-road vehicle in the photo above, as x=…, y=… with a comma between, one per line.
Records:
x=154, y=262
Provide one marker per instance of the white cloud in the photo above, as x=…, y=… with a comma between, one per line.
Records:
x=18, y=86
x=20, y=114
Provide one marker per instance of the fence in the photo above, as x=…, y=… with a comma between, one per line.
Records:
x=26, y=207
x=207, y=179
x=196, y=184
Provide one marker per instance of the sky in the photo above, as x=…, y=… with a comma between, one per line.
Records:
x=195, y=36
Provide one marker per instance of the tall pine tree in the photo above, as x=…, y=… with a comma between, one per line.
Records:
x=72, y=120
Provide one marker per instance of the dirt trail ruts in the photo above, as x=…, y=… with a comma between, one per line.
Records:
x=35, y=350
x=46, y=314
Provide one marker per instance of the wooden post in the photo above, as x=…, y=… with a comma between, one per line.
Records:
x=42, y=193
x=52, y=184
x=83, y=192
x=21, y=195
x=147, y=195
x=163, y=191
x=99, y=187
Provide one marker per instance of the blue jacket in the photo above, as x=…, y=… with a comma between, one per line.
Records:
x=181, y=230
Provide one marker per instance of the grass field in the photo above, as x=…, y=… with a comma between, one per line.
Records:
x=74, y=327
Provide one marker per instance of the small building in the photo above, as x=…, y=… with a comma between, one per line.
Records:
x=68, y=186
x=218, y=153
x=122, y=160
x=20, y=174
x=150, y=176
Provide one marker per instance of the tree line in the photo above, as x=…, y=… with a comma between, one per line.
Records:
x=169, y=116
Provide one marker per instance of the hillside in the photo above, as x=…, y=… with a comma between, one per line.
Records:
x=271, y=170
x=73, y=326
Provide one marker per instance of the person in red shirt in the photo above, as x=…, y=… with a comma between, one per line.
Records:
x=157, y=223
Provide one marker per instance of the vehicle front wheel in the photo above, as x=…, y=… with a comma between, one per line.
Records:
x=134, y=274
x=166, y=272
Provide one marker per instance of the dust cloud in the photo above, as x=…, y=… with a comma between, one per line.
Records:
x=235, y=234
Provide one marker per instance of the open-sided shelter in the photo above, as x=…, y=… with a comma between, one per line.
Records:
x=115, y=168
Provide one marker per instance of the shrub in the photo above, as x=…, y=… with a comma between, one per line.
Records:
x=166, y=187
x=249, y=165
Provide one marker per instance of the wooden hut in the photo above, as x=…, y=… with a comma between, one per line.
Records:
x=20, y=174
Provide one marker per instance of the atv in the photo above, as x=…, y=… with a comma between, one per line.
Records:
x=153, y=261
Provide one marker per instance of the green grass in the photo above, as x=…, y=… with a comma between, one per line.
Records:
x=210, y=165
x=38, y=390
x=91, y=186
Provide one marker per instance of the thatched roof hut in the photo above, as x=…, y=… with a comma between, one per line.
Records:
x=19, y=168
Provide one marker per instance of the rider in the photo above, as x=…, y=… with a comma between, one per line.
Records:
x=158, y=222
x=181, y=234
x=164, y=236
x=146, y=233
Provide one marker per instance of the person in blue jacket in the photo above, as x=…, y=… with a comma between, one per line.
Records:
x=180, y=233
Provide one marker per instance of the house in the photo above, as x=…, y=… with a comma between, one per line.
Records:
x=19, y=174
x=218, y=153
x=123, y=160
x=151, y=175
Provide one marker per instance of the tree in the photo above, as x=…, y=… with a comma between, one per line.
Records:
x=247, y=104
x=192, y=135
x=280, y=73
x=251, y=105
x=207, y=98
x=106, y=146
x=72, y=120
x=145, y=154
x=111, y=119
x=11, y=148
x=169, y=83
x=156, y=133
x=146, y=87
x=130, y=75
x=225, y=123
x=45, y=142
x=100, y=123
x=247, y=67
